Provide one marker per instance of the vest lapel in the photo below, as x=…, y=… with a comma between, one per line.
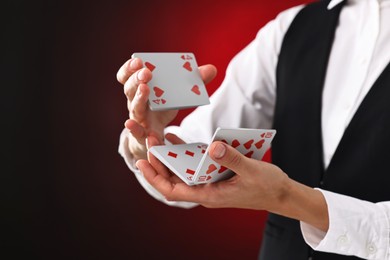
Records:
x=301, y=70
x=363, y=152
x=358, y=165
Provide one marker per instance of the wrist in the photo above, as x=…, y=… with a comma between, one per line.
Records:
x=305, y=204
x=283, y=195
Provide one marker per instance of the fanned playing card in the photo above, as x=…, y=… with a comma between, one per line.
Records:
x=192, y=163
x=252, y=143
x=176, y=81
x=182, y=159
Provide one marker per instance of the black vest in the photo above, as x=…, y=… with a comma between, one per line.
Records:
x=360, y=165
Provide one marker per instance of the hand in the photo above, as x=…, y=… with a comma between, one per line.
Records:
x=142, y=121
x=167, y=174
x=256, y=185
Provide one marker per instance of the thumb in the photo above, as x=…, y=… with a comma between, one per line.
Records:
x=229, y=157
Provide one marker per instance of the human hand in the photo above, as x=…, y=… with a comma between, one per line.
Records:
x=142, y=121
x=257, y=185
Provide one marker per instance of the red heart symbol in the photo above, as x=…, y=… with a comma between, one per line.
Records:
x=249, y=155
x=262, y=135
x=222, y=169
x=150, y=66
x=208, y=178
x=195, y=89
x=211, y=168
x=259, y=144
x=158, y=91
x=163, y=101
x=235, y=143
x=248, y=144
x=187, y=66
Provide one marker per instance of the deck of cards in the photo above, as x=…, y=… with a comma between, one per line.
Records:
x=192, y=164
x=176, y=82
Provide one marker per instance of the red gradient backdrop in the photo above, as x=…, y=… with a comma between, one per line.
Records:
x=75, y=197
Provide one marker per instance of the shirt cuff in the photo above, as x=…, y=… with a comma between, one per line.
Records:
x=130, y=161
x=356, y=227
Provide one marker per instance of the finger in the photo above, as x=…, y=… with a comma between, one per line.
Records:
x=127, y=69
x=139, y=105
x=174, y=139
x=151, y=141
x=141, y=76
x=159, y=181
x=158, y=166
x=175, y=179
x=208, y=72
x=167, y=184
x=169, y=189
x=136, y=130
x=231, y=158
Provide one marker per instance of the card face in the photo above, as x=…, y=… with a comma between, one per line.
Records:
x=252, y=143
x=181, y=159
x=176, y=81
x=192, y=163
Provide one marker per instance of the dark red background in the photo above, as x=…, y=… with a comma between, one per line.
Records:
x=67, y=192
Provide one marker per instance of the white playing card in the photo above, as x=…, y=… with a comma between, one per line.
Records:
x=176, y=81
x=253, y=143
x=182, y=159
x=193, y=165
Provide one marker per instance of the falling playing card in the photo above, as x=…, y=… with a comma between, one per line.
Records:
x=176, y=81
x=192, y=164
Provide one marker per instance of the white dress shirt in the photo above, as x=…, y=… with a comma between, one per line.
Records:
x=246, y=98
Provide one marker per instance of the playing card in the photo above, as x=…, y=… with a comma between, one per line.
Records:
x=252, y=143
x=176, y=81
x=192, y=163
x=182, y=159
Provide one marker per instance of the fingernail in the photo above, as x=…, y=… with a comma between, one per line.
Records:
x=133, y=64
x=141, y=75
x=219, y=151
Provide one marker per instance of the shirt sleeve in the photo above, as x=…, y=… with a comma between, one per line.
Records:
x=245, y=98
x=356, y=227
